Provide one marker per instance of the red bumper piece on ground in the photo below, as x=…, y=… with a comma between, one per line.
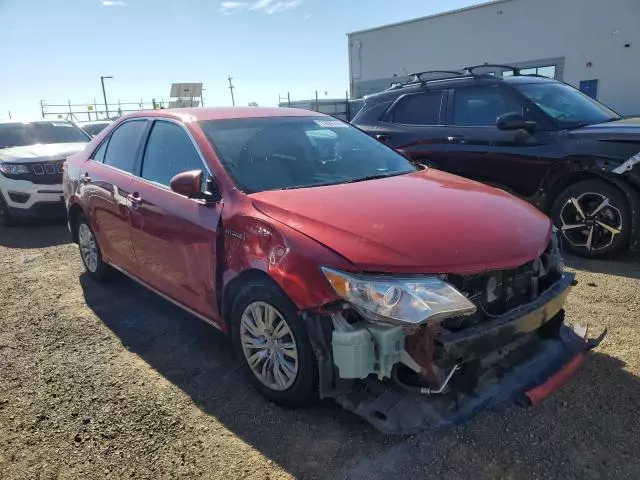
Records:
x=539, y=393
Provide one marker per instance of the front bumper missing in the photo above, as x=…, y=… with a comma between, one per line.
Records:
x=548, y=362
x=480, y=341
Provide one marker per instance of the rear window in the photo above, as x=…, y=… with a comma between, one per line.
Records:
x=418, y=109
x=23, y=134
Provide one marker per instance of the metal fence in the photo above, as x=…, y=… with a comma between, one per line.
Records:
x=342, y=108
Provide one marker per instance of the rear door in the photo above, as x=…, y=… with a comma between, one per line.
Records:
x=106, y=180
x=174, y=236
x=413, y=124
x=478, y=149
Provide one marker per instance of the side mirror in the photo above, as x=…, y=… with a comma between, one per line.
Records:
x=189, y=184
x=515, y=121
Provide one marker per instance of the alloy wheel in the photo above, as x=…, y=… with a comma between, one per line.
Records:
x=590, y=221
x=88, y=247
x=269, y=346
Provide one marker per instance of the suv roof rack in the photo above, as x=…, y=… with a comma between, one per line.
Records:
x=418, y=75
x=449, y=74
x=469, y=70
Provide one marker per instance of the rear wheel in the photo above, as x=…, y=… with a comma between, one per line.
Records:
x=273, y=345
x=594, y=218
x=90, y=251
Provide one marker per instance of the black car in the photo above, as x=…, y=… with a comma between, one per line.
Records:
x=539, y=138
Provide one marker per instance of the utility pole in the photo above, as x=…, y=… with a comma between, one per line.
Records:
x=42, y=107
x=231, y=87
x=104, y=94
x=9, y=114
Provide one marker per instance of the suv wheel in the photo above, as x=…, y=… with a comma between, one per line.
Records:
x=273, y=345
x=90, y=251
x=594, y=218
x=5, y=217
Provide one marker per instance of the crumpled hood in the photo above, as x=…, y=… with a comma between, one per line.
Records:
x=625, y=129
x=40, y=152
x=424, y=222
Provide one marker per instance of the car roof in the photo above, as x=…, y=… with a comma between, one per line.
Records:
x=39, y=120
x=95, y=122
x=221, y=113
x=453, y=82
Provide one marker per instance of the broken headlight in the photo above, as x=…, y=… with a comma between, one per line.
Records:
x=410, y=300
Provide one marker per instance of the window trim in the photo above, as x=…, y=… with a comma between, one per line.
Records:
x=138, y=173
x=508, y=91
x=387, y=117
x=107, y=139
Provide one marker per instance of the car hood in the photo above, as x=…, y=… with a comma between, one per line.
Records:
x=424, y=222
x=625, y=129
x=40, y=152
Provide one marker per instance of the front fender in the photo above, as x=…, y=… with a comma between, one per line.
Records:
x=290, y=258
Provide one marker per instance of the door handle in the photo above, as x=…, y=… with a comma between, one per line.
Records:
x=85, y=178
x=457, y=139
x=134, y=200
x=382, y=137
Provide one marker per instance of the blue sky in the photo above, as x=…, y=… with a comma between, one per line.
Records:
x=57, y=49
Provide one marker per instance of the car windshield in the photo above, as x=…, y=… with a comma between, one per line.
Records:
x=94, y=129
x=569, y=107
x=23, y=134
x=278, y=153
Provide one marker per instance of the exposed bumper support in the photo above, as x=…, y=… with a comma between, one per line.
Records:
x=478, y=342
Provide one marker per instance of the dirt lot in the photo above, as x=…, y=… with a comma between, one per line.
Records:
x=114, y=382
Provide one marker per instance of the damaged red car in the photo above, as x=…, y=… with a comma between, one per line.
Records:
x=338, y=267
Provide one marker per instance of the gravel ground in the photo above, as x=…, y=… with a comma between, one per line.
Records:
x=114, y=382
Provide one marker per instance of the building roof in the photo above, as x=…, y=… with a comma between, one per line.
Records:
x=419, y=19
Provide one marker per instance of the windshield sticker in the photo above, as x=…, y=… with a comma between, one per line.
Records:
x=61, y=125
x=331, y=124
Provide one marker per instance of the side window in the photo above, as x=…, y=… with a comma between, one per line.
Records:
x=98, y=155
x=123, y=145
x=418, y=109
x=481, y=106
x=169, y=151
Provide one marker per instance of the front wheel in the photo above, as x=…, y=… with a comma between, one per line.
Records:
x=593, y=217
x=273, y=345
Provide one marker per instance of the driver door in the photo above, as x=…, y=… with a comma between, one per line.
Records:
x=174, y=237
x=479, y=150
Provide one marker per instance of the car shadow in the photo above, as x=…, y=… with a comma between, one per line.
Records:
x=36, y=234
x=201, y=362
x=624, y=264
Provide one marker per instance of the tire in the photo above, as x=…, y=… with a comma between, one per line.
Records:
x=95, y=268
x=6, y=219
x=300, y=389
x=587, y=234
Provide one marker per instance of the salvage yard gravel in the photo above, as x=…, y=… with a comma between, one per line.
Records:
x=111, y=381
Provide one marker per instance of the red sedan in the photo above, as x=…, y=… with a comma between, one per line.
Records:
x=329, y=258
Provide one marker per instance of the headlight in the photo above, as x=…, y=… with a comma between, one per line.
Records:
x=14, y=168
x=399, y=300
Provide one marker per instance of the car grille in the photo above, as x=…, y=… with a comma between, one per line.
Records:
x=497, y=292
x=42, y=173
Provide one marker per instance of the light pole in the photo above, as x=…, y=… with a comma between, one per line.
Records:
x=104, y=94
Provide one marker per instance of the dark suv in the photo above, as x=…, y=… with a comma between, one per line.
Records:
x=542, y=139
